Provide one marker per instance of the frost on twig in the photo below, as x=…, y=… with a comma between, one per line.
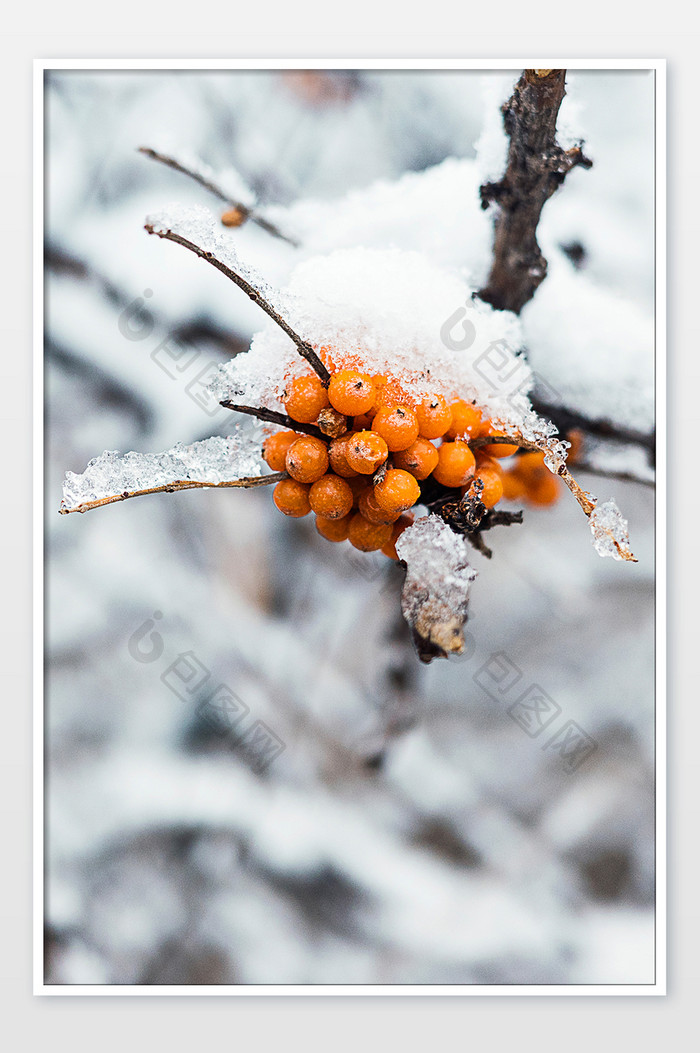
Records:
x=610, y=535
x=435, y=595
x=218, y=461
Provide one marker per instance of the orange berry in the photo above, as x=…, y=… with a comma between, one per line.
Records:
x=397, y=425
x=275, y=448
x=233, y=217
x=496, y=449
x=292, y=498
x=366, y=451
x=372, y=512
x=484, y=460
x=368, y=537
x=434, y=417
x=363, y=422
x=389, y=393
x=513, y=486
x=466, y=420
x=493, y=486
x=545, y=491
x=351, y=392
x=304, y=398
x=331, y=497
x=338, y=457
x=307, y=459
x=399, y=526
x=419, y=459
x=333, y=529
x=397, y=492
x=359, y=484
x=455, y=464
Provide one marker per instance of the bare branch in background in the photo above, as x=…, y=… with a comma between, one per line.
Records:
x=244, y=211
x=537, y=165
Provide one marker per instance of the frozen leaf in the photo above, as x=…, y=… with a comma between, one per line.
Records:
x=610, y=535
x=436, y=591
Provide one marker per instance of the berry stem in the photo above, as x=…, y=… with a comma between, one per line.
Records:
x=273, y=417
x=303, y=347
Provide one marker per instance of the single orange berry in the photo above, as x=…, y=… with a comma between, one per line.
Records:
x=434, y=417
x=307, y=459
x=372, y=512
x=493, y=486
x=397, y=492
x=338, y=457
x=485, y=460
x=359, y=484
x=397, y=425
x=275, y=448
x=466, y=420
x=455, y=464
x=333, y=529
x=420, y=459
x=292, y=498
x=363, y=421
x=368, y=537
x=399, y=526
x=513, y=486
x=330, y=497
x=304, y=398
x=496, y=449
x=366, y=450
x=351, y=392
x=545, y=492
x=233, y=217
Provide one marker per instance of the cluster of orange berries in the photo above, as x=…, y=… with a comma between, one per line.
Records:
x=368, y=424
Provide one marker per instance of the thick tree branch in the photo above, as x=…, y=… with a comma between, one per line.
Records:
x=537, y=165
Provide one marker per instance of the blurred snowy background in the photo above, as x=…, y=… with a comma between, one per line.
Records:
x=411, y=830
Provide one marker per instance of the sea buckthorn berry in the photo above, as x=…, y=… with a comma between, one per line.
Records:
x=365, y=451
x=420, y=459
x=434, y=417
x=500, y=449
x=455, y=464
x=332, y=423
x=233, y=217
x=399, y=526
x=372, y=512
x=338, y=457
x=363, y=422
x=389, y=394
x=359, y=484
x=368, y=537
x=397, y=492
x=545, y=491
x=275, y=449
x=333, y=529
x=351, y=392
x=397, y=425
x=307, y=459
x=292, y=498
x=484, y=460
x=513, y=486
x=493, y=486
x=331, y=497
x=466, y=420
x=304, y=398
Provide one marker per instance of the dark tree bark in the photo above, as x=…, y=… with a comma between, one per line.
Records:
x=537, y=165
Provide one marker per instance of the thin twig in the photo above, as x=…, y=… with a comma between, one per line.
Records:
x=169, y=488
x=214, y=188
x=604, y=473
x=273, y=417
x=303, y=347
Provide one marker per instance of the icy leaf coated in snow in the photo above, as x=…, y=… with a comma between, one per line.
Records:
x=436, y=591
x=211, y=461
x=610, y=535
